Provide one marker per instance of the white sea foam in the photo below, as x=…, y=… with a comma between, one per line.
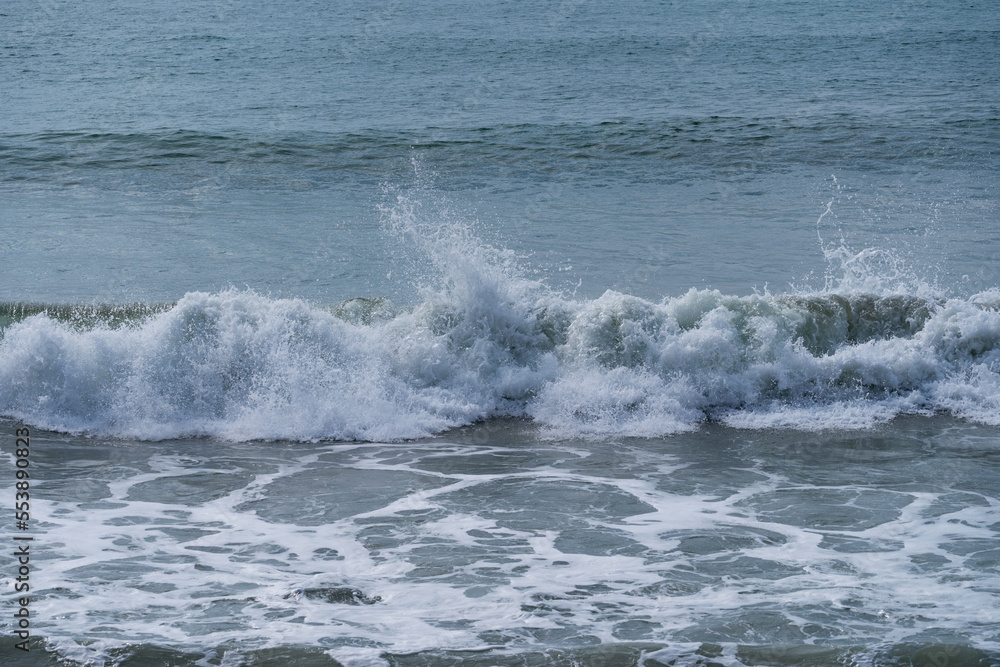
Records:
x=483, y=341
x=529, y=554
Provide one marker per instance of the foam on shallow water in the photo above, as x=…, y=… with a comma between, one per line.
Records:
x=492, y=541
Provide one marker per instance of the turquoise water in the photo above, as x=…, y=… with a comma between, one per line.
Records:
x=428, y=333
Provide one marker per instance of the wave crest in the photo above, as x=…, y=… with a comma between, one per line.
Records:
x=239, y=365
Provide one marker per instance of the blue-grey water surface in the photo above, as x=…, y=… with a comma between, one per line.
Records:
x=436, y=333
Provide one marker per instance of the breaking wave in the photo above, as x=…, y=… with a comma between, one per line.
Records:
x=485, y=342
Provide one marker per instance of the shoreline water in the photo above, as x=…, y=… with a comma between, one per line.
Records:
x=726, y=545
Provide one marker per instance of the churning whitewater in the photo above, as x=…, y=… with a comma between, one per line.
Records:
x=485, y=342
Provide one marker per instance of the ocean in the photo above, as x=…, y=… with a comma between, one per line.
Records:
x=434, y=333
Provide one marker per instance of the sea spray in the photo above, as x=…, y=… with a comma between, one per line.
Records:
x=484, y=342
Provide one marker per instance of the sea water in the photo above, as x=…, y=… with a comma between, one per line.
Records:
x=431, y=333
